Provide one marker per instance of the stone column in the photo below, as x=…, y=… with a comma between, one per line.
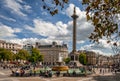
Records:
x=74, y=16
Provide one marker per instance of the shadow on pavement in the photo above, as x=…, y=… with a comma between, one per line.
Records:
x=115, y=77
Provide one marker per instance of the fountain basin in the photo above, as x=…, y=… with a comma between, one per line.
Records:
x=60, y=68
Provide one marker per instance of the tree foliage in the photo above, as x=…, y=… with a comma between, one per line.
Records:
x=115, y=45
x=82, y=58
x=104, y=15
x=52, y=5
x=67, y=60
x=6, y=54
x=35, y=56
x=22, y=55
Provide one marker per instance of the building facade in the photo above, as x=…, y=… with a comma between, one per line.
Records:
x=10, y=46
x=28, y=47
x=90, y=57
x=51, y=53
x=116, y=59
x=103, y=60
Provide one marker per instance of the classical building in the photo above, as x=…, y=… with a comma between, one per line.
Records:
x=52, y=52
x=103, y=60
x=90, y=56
x=100, y=59
x=116, y=59
x=10, y=46
x=110, y=61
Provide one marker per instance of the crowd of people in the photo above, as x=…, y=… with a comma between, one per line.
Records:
x=30, y=70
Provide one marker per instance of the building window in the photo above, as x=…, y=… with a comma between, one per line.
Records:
x=72, y=57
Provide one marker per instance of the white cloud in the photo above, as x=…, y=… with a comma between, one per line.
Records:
x=7, y=32
x=17, y=30
x=70, y=9
x=48, y=29
x=7, y=18
x=102, y=48
x=80, y=42
x=62, y=28
x=27, y=8
x=32, y=41
x=16, y=7
x=43, y=28
x=21, y=1
x=21, y=41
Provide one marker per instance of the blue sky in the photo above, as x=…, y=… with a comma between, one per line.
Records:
x=23, y=21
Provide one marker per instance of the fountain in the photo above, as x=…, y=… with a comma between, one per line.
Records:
x=60, y=65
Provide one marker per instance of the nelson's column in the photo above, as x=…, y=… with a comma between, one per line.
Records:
x=74, y=55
